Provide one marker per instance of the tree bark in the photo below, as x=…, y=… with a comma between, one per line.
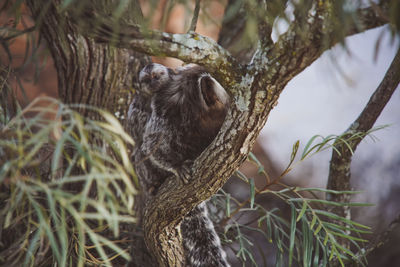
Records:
x=88, y=73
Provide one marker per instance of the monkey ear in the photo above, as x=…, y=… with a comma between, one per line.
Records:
x=212, y=92
x=207, y=89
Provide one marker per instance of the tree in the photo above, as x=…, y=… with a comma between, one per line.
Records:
x=98, y=49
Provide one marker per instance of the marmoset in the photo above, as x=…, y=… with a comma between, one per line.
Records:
x=175, y=115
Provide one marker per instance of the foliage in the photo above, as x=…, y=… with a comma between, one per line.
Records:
x=50, y=206
x=309, y=237
x=311, y=234
x=54, y=213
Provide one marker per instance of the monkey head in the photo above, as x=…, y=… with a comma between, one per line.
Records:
x=153, y=77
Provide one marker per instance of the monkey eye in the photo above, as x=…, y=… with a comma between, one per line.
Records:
x=155, y=76
x=146, y=80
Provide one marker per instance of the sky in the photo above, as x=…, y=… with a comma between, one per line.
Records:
x=325, y=99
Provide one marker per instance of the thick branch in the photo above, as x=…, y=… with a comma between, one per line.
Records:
x=298, y=48
x=190, y=47
x=88, y=72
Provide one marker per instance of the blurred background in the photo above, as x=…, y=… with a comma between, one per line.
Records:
x=324, y=99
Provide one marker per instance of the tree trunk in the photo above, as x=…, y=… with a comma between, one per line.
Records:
x=94, y=74
x=88, y=73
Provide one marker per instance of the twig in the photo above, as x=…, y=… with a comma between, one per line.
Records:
x=382, y=238
x=18, y=33
x=196, y=12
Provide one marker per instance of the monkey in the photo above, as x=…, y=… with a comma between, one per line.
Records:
x=176, y=115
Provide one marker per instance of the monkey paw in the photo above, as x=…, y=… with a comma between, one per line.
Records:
x=185, y=172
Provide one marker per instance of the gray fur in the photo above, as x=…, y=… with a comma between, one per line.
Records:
x=176, y=115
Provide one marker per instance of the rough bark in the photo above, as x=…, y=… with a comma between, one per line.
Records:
x=88, y=72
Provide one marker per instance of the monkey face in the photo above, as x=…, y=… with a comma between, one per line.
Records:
x=153, y=77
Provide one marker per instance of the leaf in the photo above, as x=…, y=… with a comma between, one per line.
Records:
x=295, y=149
x=252, y=193
x=345, y=228
x=331, y=203
x=242, y=176
x=307, y=244
x=303, y=210
x=330, y=191
x=114, y=126
x=258, y=163
x=314, y=220
x=316, y=255
x=336, y=217
x=33, y=246
x=228, y=205
x=305, y=151
x=319, y=227
x=292, y=233
x=60, y=145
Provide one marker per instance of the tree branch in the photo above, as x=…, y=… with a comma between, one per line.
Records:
x=190, y=47
x=381, y=239
x=371, y=17
x=339, y=174
x=339, y=169
x=88, y=72
x=298, y=48
x=195, y=18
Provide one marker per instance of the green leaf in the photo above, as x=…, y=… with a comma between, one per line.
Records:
x=242, y=176
x=292, y=233
x=313, y=221
x=331, y=203
x=295, y=149
x=258, y=163
x=330, y=191
x=319, y=227
x=336, y=217
x=252, y=193
x=60, y=145
x=228, y=205
x=316, y=255
x=306, y=150
x=302, y=211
